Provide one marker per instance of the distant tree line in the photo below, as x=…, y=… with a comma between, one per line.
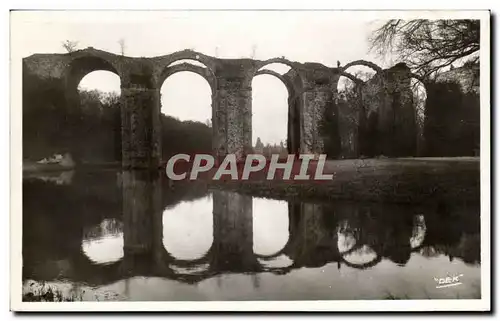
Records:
x=268, y=150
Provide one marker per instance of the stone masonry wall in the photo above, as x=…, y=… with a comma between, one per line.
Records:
x=312, y=87
x=390, y=124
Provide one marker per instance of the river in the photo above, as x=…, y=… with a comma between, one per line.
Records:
x=111, y=235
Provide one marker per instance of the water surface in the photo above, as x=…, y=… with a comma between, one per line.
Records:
x=129, y=236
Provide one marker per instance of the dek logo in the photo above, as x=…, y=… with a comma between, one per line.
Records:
x=448, y=281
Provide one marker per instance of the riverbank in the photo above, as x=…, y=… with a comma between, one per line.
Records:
x=407, y=180
x=403, y=180
x=31, y=168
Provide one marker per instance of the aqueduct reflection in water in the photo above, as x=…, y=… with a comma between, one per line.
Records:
x=141, y=226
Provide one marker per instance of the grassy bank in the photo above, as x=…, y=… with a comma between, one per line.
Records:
x=408, y=180
x=378, y=180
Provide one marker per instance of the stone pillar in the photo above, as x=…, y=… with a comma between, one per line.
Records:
x=232, y=119
x=313, y=238
x=317, y=100
x=141, y=128
x=391, y=124
x=405, y=137
x=141, y=209
x=293, y=134
x=232, y=248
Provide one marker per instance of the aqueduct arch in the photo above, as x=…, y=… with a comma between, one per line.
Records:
x=293, y=122
x=203, y=72
x=312, y=88
x=365, y=63
x=80, y=67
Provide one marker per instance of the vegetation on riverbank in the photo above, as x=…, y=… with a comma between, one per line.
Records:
x=390, y=180
x=46, y=293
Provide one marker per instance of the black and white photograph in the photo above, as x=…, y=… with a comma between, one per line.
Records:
x=250, y=160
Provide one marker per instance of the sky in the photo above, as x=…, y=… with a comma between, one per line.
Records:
x=307, y=36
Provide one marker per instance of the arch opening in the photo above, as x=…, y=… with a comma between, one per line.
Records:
x=188, y=61
x=270, y=226
x=97, y=135
x=363, y=63
x=419, y=99
x=350, y=110
x=182, y=66
x=270, y=97
x=192, y=57
x=277, y=67
x=186, y=113
x=188, y=229
x=81, y=67
x=274, y=98
x=107, y=82
x=275, y=64
x=359, y=72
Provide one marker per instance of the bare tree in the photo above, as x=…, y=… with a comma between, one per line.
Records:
x=70, y=46
x=254, y=51
x=427, y=46
x=121, y=42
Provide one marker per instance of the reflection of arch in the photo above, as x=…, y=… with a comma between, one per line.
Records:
x=353, y=249
x=359, y=244
x=206, y=73
x=109, y=232
x=362, y=63
x=362, y=266
x=273, y=255
x=189, y=260
x=167, y=257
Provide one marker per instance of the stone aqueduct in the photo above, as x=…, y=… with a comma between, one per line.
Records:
x=312, y=89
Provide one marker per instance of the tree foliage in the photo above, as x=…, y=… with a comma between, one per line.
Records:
x=452, y=121
x=428, y=46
